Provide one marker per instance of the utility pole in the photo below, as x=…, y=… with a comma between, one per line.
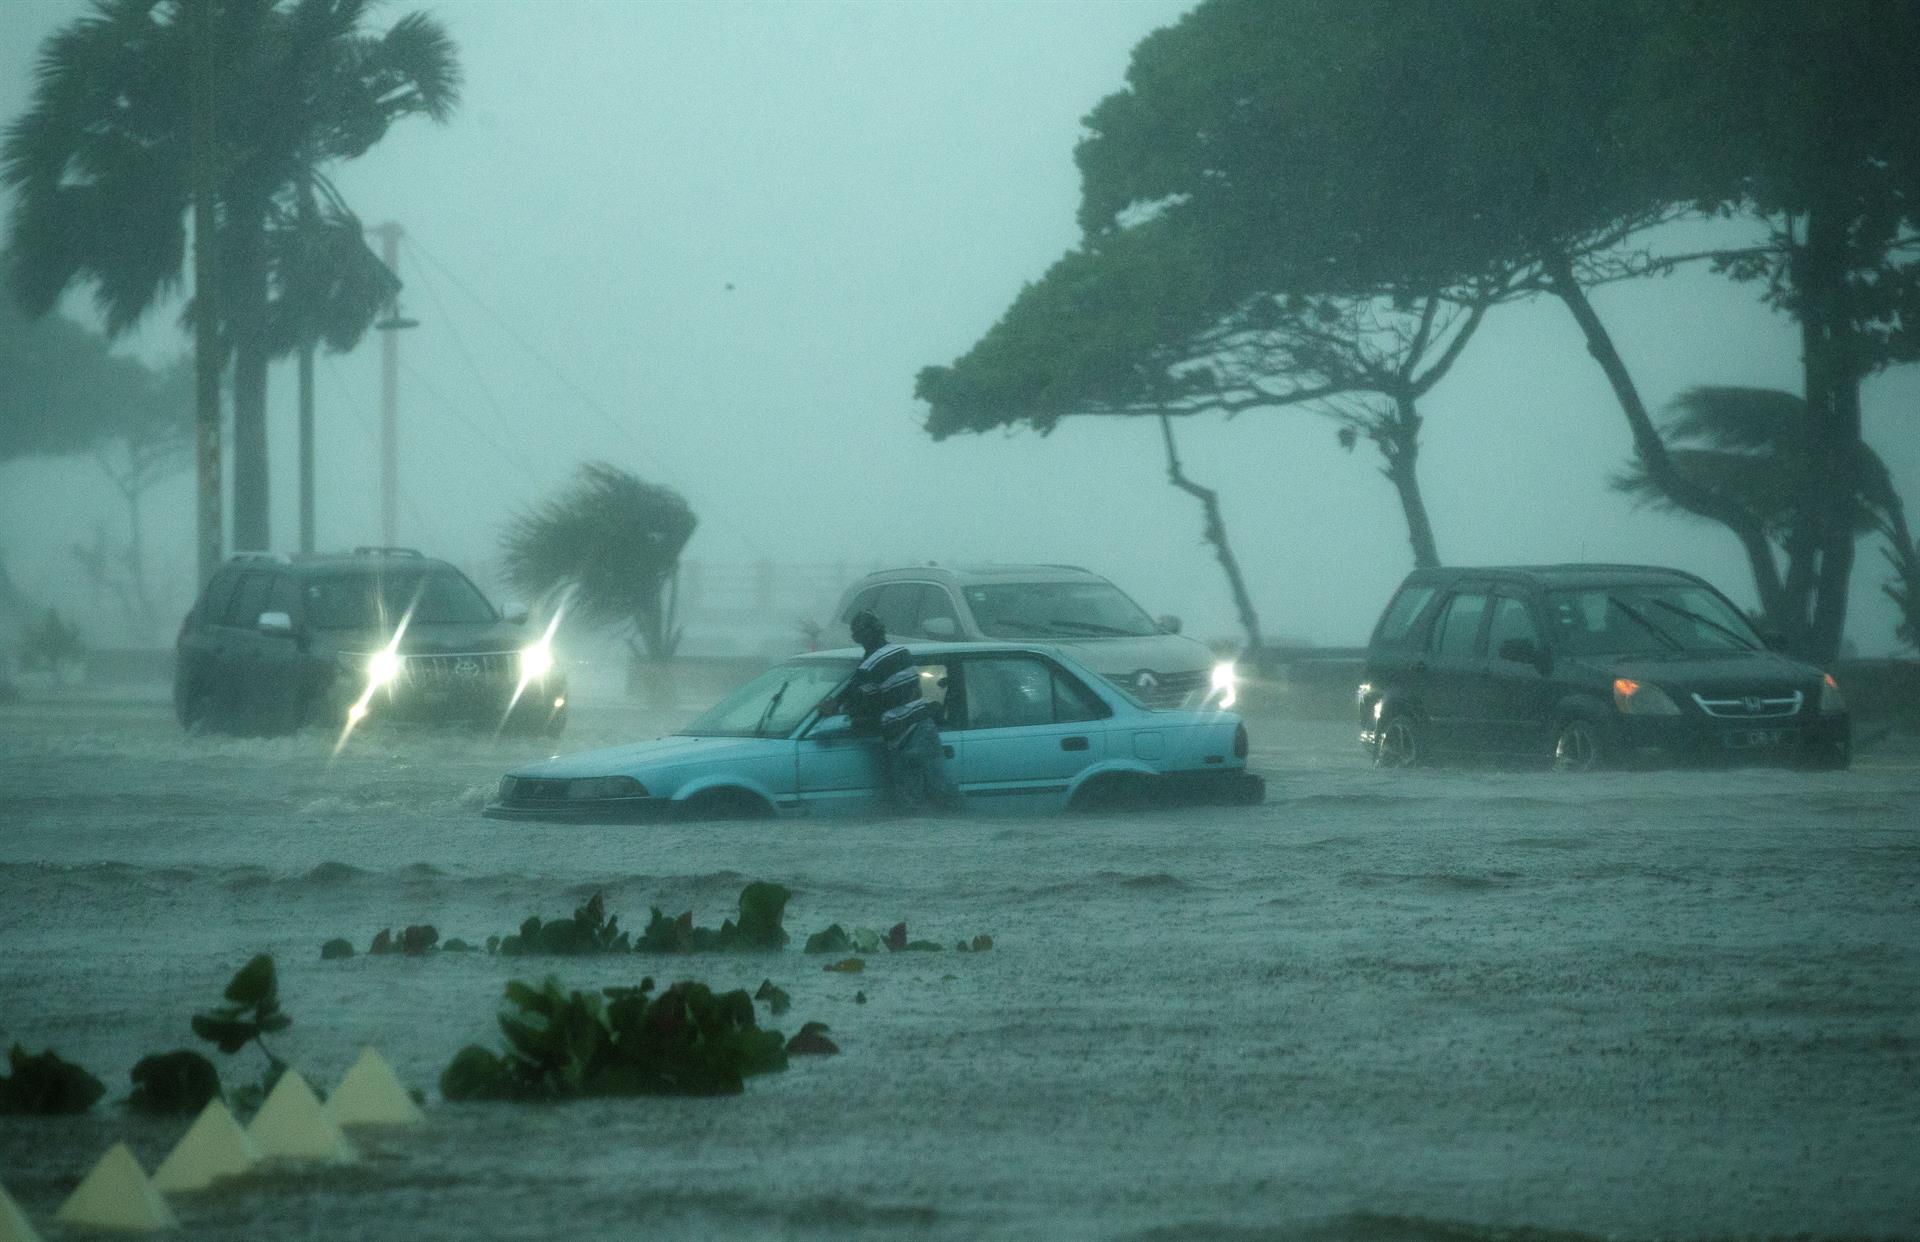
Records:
x=207, y=357
x=390, y=329
x=306, y=210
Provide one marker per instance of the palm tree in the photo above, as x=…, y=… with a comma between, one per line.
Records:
x=1750, y=448
x=614, y=541
x=102, y=165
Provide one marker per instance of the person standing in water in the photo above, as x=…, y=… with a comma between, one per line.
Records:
x=884, y=697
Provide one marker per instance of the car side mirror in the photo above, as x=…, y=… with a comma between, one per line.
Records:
x=827, y=728
x=1523, y=651
x=942, y=628
x=277, y=624
x=1168, y=623
x=514, y=614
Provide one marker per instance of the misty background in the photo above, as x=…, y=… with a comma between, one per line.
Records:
x=713, y=243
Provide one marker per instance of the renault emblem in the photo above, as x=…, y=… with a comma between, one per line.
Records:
x=1753, y=704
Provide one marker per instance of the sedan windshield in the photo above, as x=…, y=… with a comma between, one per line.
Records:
x=774, y=703
x=1646, y=620
x=368, y=600
x=1057, y=610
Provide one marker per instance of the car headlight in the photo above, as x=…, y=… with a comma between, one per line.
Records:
x=1225, y=681
x=1637, y=698
x=605, y=787
x=536, y=661
x=1831, y=700
x=383, y=666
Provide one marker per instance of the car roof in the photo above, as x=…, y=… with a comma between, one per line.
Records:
x=961, y=575
x=1568, y=575
x=369, y=559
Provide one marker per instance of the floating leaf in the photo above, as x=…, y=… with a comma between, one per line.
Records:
x=777, y=999
x=335, y=949
x=832, y=940
x=848, y=965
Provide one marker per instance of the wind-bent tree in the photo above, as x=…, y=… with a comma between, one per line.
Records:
x=613, y=541
x=102, y=165
x=1755, y=445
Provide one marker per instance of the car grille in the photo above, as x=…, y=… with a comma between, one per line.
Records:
x=1751, y=706
x=1165, y=689
x=532, y=789
x=460, y=670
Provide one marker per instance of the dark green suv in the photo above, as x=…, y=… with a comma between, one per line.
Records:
x=278, y=642
x=1587, y=666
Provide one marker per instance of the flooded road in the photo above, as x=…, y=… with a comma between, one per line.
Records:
x=1436, y=1004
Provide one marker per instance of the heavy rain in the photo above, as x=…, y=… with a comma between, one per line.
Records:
x=1128, y=618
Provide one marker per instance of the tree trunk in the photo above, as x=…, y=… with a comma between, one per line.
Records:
x=1684, y=492
x=1398, y=439
x=306, y=448
x=1215, y=533
x=1832, y=378
x=247, y=320
x=208, y=358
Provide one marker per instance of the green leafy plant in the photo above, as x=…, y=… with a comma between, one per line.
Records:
x=777, y=999
x=762, y=907
x=45, y=1085
x=336, y=948
x=170, y=1083
x=591, y=930
x=621, y=1041
x=251, y=1013
x=812, y=1041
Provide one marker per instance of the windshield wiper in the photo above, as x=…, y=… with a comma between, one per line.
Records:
x=772, y=703
x=1028, y=626
x=1672, y=643
x=1092, y=627
x=1691, y=615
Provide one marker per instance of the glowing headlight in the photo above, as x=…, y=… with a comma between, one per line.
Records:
x=1831, y=700
x=536, y=661
x=1225, y=679
x=1637, y=698
x=382, y=667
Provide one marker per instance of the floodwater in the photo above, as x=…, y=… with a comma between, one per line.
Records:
x=1447, y=1004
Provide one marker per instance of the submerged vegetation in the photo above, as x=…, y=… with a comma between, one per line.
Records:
x=618, y=1042
x=173, y=1083
x=44, y=1085
x=251, y=1013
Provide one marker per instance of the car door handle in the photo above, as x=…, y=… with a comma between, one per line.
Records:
x=1073, y=743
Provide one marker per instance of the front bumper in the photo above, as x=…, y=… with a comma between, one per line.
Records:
x=586, y=811
x=1702, y=741
x=483, y=702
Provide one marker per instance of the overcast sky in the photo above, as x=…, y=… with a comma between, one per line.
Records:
x=713, y=243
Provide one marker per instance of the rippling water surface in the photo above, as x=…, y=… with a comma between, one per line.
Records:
x=1438, y=1004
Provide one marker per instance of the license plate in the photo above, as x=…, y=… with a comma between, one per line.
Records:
x=1751, y=739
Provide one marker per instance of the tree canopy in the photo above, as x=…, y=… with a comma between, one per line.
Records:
x=62, y=391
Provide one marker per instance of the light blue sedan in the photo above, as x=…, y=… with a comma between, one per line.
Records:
x=1024, y=728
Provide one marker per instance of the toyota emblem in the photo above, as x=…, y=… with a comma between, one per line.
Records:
x=466, y=666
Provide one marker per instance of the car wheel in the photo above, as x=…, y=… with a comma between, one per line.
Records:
x=197, y=717
x=725, y=804
x=1578, y=746
x=1115, y=793
x=1398, y=744
x=1833, y=757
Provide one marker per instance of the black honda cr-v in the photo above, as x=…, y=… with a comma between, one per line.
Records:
x=277, y=642
x=1587, y=666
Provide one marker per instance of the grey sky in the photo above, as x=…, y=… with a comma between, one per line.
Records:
x=740, y=229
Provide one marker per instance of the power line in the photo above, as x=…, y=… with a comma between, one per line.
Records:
x=567, y=382
x=506, y=454
x=466, y=355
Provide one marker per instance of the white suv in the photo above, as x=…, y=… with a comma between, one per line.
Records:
x=1059, y=605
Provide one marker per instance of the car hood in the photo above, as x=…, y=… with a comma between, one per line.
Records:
x=433, y=639
x=637, y=758
x=1122, y=657
x=1731, y=672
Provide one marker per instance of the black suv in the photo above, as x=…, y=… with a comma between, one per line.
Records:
x=1587, y=666
x=275, y=643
